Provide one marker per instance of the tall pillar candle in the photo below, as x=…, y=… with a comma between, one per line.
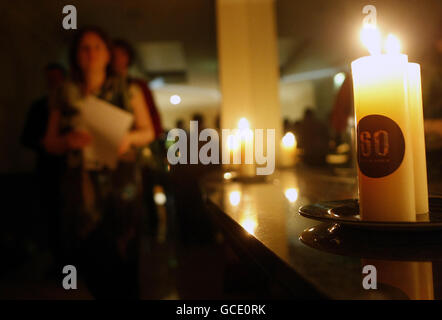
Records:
x=385, y=164
x=288, y=150
x=417, y=137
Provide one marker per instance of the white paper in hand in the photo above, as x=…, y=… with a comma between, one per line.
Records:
x=107, y=124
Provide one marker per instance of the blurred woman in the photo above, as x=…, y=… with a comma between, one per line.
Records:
x=123, y=56
x=101, y=204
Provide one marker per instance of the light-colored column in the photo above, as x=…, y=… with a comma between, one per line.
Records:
x=248, y=64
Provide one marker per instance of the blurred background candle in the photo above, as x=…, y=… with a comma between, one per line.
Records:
x=288, y=150
x=417, y=137
x=245, y=136
x=385, y=164
x=233, y=145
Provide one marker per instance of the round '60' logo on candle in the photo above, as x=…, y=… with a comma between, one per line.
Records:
x=381, y=146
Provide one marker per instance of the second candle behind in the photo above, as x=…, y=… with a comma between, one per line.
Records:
x=417, y=137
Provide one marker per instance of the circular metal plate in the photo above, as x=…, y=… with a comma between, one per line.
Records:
x=346, y=212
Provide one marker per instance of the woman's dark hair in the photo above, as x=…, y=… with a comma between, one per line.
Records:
x=76, y=72
x=123, y=44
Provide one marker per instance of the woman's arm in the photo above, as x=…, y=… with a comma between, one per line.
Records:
x=144, y=130
x=58, y=144
x=52, y=141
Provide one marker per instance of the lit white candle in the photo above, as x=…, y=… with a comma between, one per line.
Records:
x=288, y=150
x=385, y=163
x=246, y=138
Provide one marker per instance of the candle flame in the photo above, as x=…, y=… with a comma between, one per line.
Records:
x=392, y=45
x=243, y=124
x=371, y=38
x=289, y=140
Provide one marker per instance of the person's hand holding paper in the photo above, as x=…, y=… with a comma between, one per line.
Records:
x=107, y=124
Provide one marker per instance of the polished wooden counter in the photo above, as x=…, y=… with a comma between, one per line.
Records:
x=262, y=218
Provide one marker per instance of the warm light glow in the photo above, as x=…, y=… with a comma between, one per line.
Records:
x=159, y=197
x=392, y=45
x=227, y=176
x=235, y=198
x=291, y=194
x=249, y=225
x=147, y=152
x=243, y=124
x=232, y=142
x=175, y=99
x=339, y=79
x=336, y=158
x=343, y=148
x=371, y=38
x=289, y=140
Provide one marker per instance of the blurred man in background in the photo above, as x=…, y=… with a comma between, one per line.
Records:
x=313, y=138
x=48, y=167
